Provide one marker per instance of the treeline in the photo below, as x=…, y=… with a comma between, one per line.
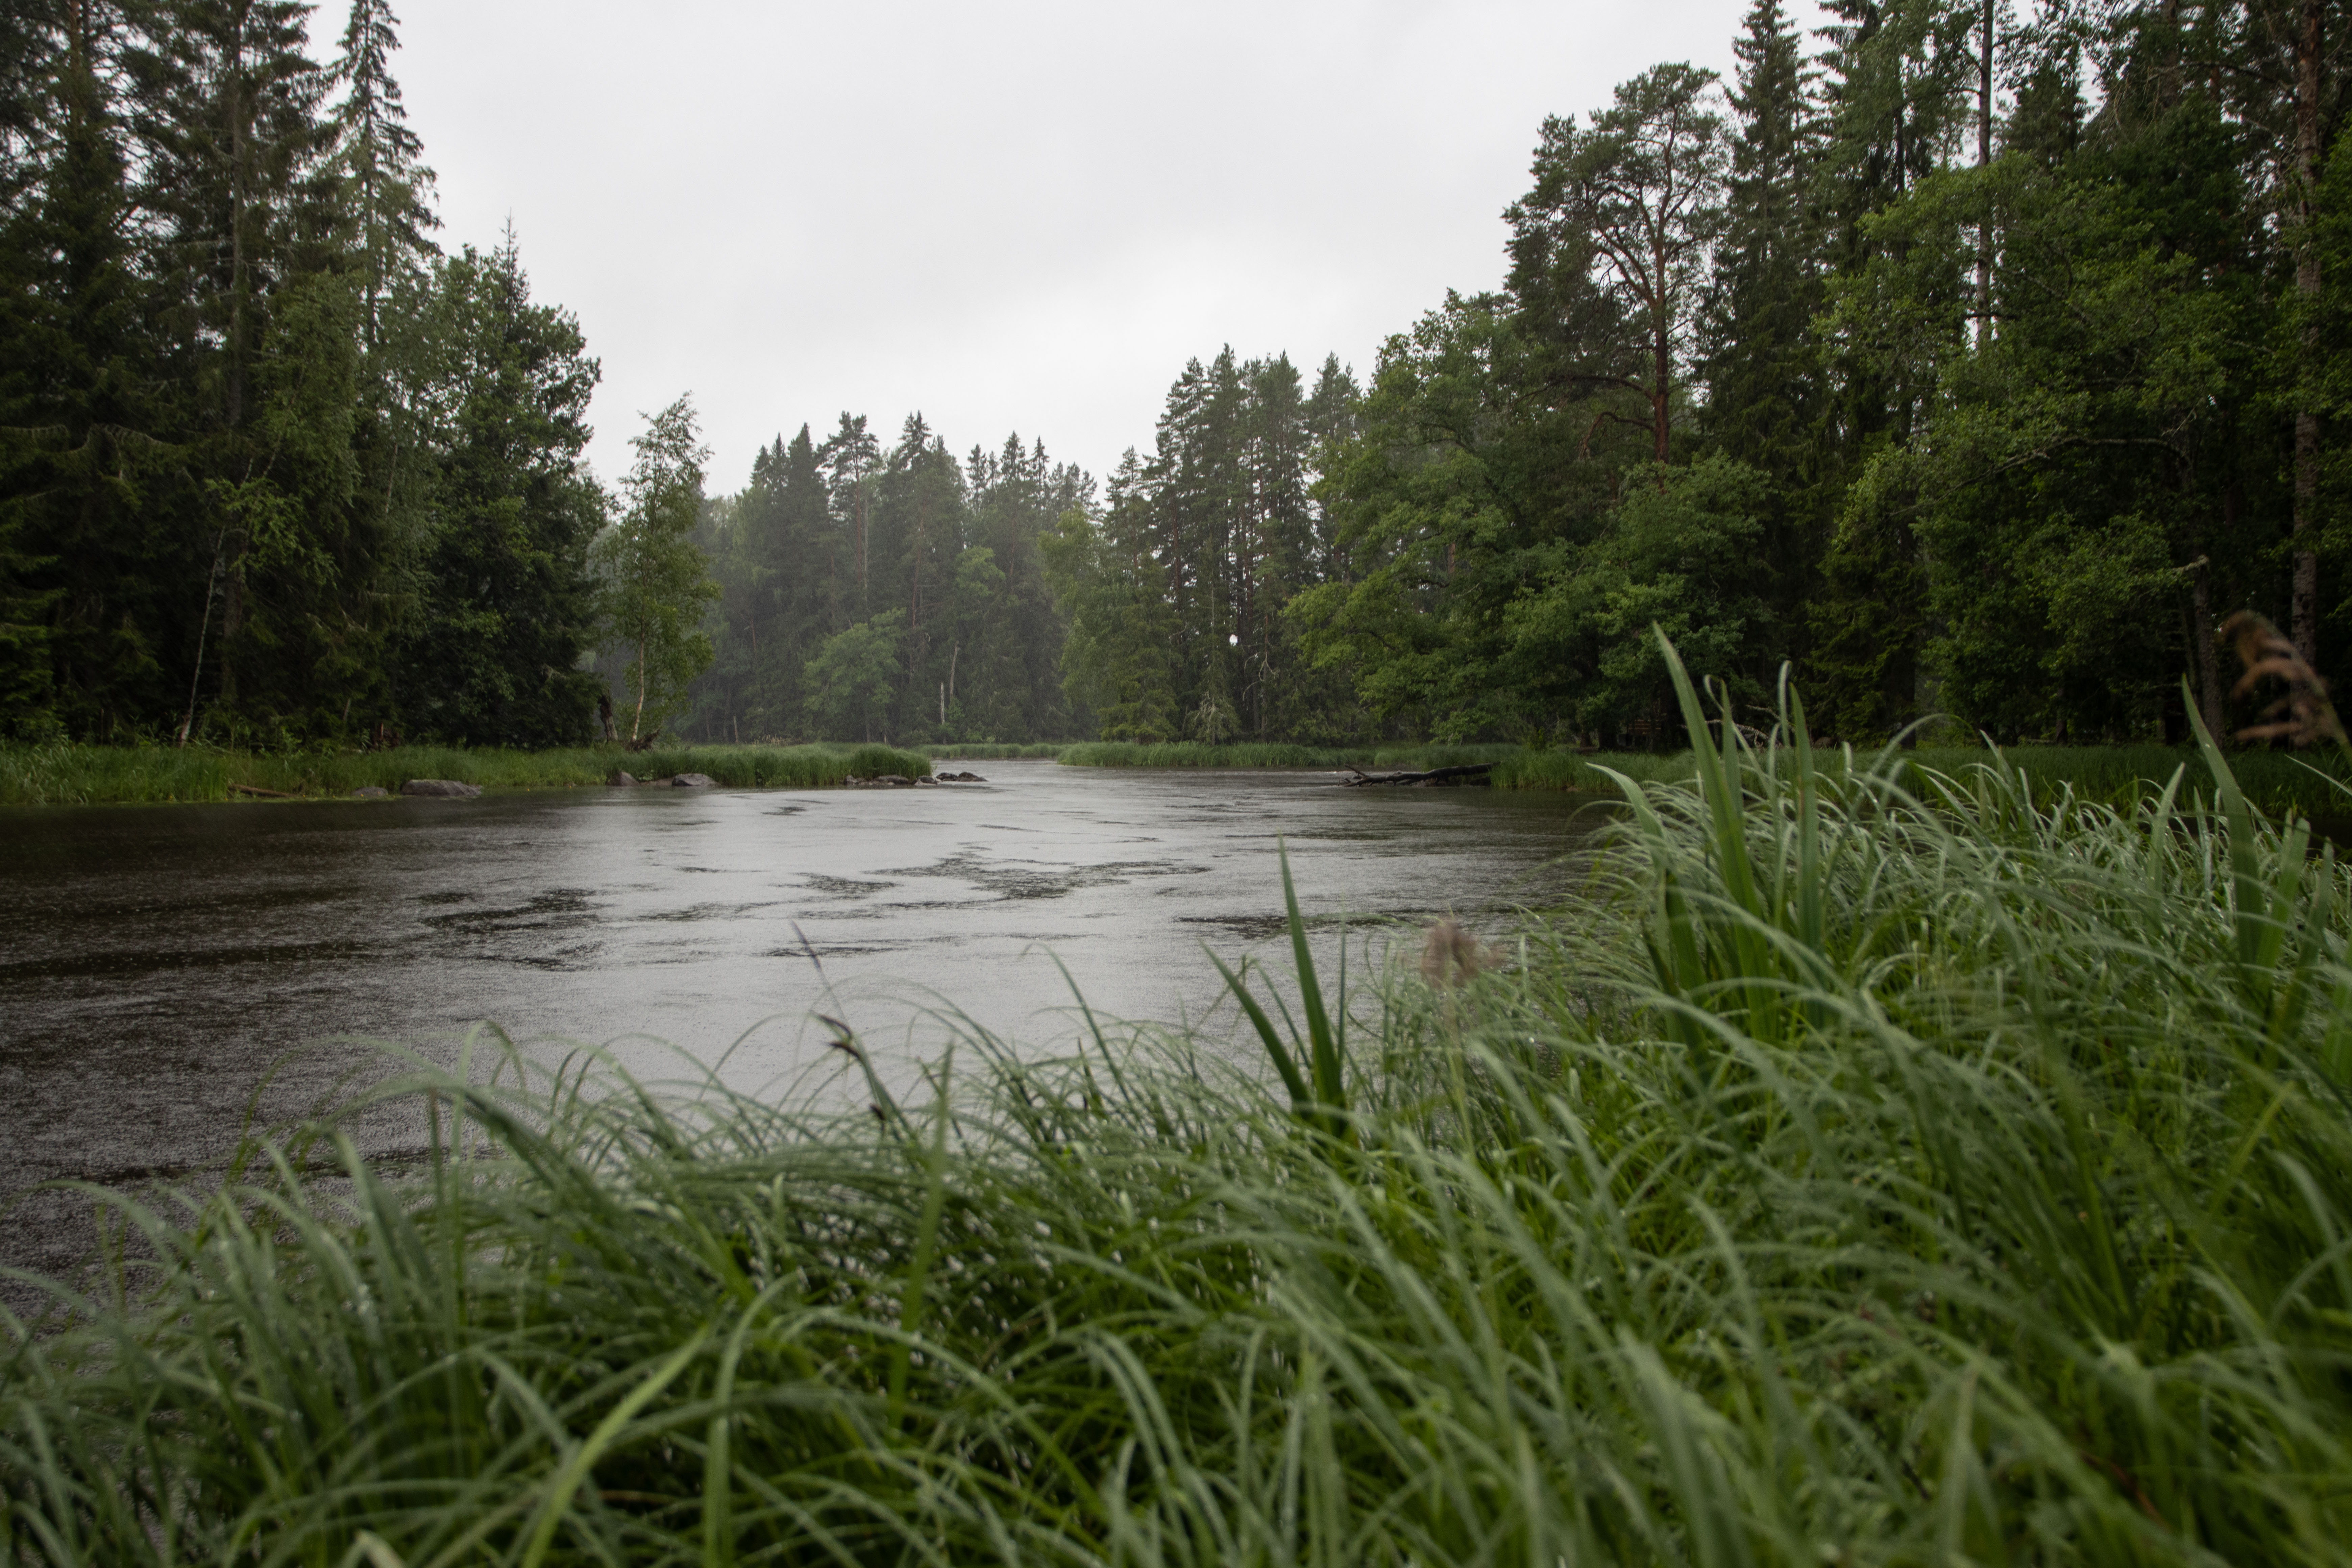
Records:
x=898, y=594
x=1966, y=361
x=1975, y=363
x=274, y=470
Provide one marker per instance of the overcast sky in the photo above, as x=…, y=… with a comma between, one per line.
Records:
x=1010, y=216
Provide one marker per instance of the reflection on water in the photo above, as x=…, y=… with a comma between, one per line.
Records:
x=157, y=964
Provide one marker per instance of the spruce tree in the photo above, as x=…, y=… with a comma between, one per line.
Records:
x=502, y=603
x=1766, y=402
x=379, y=159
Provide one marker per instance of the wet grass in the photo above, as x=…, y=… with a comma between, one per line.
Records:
x=70, y=775
x=1882, y=1167
x=2276, y=781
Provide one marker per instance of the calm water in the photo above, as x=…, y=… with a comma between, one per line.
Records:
x=158, y=962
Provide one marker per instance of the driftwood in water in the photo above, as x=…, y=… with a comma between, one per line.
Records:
x=1466, y=773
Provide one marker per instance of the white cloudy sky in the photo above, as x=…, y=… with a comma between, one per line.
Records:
x=1010, y=216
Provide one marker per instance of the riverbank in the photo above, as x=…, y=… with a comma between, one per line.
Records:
x=1845, y=1179
x=2276, y=781
x=88, y=775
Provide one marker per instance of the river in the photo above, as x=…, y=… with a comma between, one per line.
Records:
x=159, y=964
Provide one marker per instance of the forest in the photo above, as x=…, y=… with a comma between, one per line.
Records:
x=1972, y=365
x=1976, y=365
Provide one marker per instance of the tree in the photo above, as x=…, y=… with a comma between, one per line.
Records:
x=1643, y=189
x=378, y=159
x=502, y=601
x=851, y=456
x=656, y=580
x=850, y=678
x=1118, y=662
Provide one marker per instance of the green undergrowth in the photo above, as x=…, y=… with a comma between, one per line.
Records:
x=73, y=775
x=983, y=750
x=1864, y=1174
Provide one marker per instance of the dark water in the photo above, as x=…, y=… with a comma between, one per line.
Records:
x=158, y=962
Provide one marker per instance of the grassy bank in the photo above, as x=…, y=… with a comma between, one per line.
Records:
x=77, y=775
x=2276, y=781
x=1854, y=1180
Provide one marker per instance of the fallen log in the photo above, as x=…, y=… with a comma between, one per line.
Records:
x=1461, y=774
x=265, y=793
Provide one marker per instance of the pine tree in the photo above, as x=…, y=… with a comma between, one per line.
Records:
x=1641, y=192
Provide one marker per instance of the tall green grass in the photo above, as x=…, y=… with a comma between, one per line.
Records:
x=70, y=775
x=2277, y=782
x=1867, y=1173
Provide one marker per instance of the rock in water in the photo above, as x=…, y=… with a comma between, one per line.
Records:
x=621, y=776
x=896, y=781
x=370, y=792
x=449, y=787
x=693, y=781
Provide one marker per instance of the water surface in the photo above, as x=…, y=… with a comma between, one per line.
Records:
x=159, y=964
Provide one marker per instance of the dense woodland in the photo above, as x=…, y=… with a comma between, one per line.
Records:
x=1966, y=361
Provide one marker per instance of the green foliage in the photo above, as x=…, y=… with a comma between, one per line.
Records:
x=267, y=474
x=833, y=537
x=493, y=413
x=655, y=578
x=1869, y=1174
x=872, y=762
x=850, y=678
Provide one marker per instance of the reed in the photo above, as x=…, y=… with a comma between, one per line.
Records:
x=74, y=775
x=1883, y=1166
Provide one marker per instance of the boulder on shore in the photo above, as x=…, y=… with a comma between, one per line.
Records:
x=693, y=781
x=895, y=781
x=621, y=776
x=451, y=788
x=370, y=792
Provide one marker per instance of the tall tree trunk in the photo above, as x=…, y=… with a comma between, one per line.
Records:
x=1662, y=349
x=2200, y=634
x=1984, y=158
x=639, y=717
x=2304, y=602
